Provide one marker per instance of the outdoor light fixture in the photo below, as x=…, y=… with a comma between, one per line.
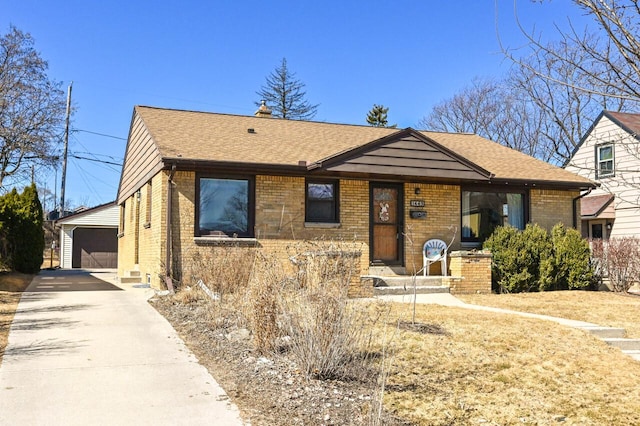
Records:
x=608, y=226
x=417, y=191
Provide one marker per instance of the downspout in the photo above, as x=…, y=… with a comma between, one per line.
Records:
x=167, y=261
x=575, y=207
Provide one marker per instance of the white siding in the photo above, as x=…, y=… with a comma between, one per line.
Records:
x=107, y=216
x=625, y=183
x=66, y=246
x=627, y=223
x=103, y=217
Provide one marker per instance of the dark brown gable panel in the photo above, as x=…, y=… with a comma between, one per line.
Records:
x=406, y=156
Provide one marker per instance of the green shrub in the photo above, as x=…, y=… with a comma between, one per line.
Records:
x=21, y=232
x=516, y=257
x=534, y=260
x=571, y=263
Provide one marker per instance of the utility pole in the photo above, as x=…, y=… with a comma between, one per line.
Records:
x=66, y=147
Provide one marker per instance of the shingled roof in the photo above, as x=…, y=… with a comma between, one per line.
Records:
x=203, y=137
x=628, y=121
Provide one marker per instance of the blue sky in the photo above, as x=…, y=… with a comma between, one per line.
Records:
x=214, y=56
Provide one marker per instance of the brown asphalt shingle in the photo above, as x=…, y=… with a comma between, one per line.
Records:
x=223, y=137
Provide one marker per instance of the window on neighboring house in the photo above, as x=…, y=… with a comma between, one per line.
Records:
x=321, y=201
x=604, y=160
x=484, y=211
x=225, y=207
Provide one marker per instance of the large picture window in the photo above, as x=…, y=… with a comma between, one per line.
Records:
x=604, y=160
x=483, y=212
x=225, y=207
x=321, y=202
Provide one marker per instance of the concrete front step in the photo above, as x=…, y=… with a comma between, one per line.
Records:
x=624, y=344
x=404, y=284
x=404, y=280
x=131, y=277
x=606, y=332
x=421, y=289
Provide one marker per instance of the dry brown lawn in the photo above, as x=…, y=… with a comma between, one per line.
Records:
x=11, y=287
x=501, y=369
x=467, y=367
x=602, y=308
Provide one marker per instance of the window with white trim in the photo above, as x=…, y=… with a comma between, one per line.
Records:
x=604, y=161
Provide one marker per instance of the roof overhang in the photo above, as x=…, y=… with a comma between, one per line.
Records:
x=597, y=207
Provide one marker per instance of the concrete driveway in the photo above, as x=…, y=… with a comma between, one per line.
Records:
x=86, y=351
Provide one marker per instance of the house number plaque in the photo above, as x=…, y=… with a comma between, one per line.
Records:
x=416, y=203
x=418, y=214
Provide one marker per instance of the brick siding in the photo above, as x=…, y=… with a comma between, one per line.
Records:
x=549, y=207
x=280, y=225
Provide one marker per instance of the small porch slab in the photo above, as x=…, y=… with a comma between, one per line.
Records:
x=407, y=284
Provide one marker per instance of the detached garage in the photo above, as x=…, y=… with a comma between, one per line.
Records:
x=89, y=239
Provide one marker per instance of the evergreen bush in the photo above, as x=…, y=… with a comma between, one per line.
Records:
x=21, y=231
x=534, y=260
x=571, y=260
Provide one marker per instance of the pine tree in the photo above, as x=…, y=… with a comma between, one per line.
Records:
x=29, y=254
x=284, y=94
x=21, y=231
x=377, y=117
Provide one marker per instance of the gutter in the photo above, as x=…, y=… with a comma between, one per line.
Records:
x=167, y=261
x=575, y=205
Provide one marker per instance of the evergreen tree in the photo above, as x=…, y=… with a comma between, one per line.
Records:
x=377, y=117
x=21, y=231
x=284, y=94
x=29, y=236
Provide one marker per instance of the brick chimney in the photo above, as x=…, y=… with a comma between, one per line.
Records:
x=263, y=111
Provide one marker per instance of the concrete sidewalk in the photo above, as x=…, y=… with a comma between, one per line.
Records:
x=613, y=336
x=447, y=299
x=85, y=352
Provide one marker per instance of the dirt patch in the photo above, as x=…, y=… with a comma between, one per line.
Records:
x=270, y=390
x=423, y=328
x=12, y=284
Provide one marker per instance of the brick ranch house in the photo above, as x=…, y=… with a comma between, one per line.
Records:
x=196, y=180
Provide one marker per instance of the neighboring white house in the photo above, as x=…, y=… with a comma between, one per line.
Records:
x=89, y=239
x=609, y=154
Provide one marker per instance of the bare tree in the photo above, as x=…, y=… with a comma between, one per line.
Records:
x=609, y=59
x=32, y=106
x=494, y=110
x=551, y=96
x=284, y=94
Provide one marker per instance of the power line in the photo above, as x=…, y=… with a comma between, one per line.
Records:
x=100, y=134
x=99, y=155
x=95, y=160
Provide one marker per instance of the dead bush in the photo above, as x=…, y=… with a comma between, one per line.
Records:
x=224, y=269
x=327, y=333
x=331, y=264
x=267, y=281
x=619, y=260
